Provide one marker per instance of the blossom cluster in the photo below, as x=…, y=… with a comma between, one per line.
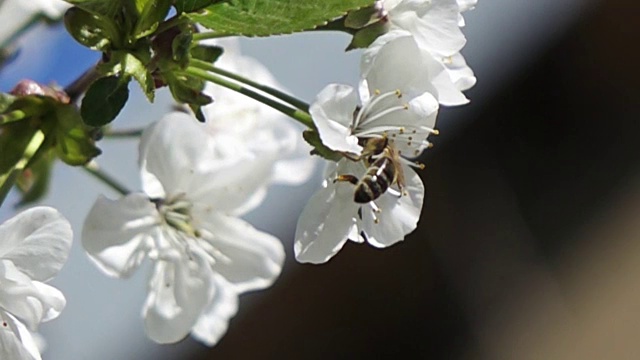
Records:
x=372, y=194
x=199, y=179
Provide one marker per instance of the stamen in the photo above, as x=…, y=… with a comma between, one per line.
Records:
x=386, y=112
x=364, y=112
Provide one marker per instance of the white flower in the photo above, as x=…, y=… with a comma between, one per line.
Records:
x=331, y=216
x=395, y=110
x=394, y=100
x=34, y=246
x=445, y=78
x=435, y=27
x=203, y=256
x=257, y=127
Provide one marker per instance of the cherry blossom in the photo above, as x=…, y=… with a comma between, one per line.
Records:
x=186, y=223
x=35, y=245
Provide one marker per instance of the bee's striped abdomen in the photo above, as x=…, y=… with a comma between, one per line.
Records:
x=380, y=175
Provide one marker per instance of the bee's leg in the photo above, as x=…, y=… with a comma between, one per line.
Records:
x=348, y=178
x=394, y=192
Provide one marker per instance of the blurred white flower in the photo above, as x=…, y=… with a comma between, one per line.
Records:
x=33, y=248
x=14, y=14
x=203, y=256
x=256, y=126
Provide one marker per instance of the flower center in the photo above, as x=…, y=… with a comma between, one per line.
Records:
x=176, y=212
x=386, y=115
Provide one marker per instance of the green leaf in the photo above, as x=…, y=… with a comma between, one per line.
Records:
x=91, y=30
x=125, y=64
x=73, y=141
x=104, y=100
x=151, y=15
x=272, y=17
x=184, y=6
x=313, y=138
x=367, y=35
x=188, y=89
x=360, y=18
x=5, y=101
x=206, y=53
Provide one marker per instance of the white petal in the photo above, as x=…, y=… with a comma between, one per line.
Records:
x=178, y=293
x=466, y=5
x=37, y=241
x=30, y=301
x=214, y=321
x=447, y=91
x=15, y=340
x=433, y=23
x=399, y=216
x=332, y=112
x=394, y=62
x=248, y=258
x=118, y=233
x=460, y=73
x=178, y=156
x=326, y=222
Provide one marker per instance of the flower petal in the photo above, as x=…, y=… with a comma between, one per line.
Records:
x=399, y=216
x=178, y=156
x=247, y=258
x=118, y=233
x=332, y=112
x=327, y=221
x=214, y=321
x=15, y=340
x=30, y=301
x=179, y=290
x=433, y=23
x=393, y=62
x=37, y=241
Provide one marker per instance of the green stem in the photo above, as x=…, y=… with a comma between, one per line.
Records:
x=15, y=115
x=93, y=169
x=301, y=116
x=8, y=180
x=122, y=133
x=267, y=89
x=208, y=35
x=80, y=85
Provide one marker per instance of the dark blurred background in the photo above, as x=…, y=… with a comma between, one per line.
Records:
x=529, y=242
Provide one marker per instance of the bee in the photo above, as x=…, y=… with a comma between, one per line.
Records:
x=384, y=169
